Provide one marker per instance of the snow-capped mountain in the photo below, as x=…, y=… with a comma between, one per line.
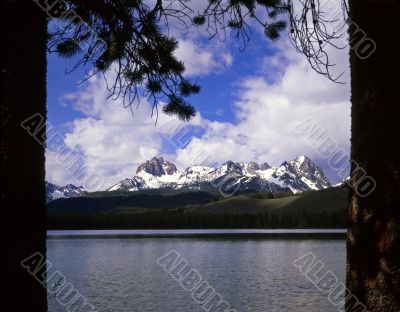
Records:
x=54, y=191
x=157, y=167
x=297, y=175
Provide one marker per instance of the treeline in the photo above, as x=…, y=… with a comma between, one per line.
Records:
x=266, y=195
x=181, y=218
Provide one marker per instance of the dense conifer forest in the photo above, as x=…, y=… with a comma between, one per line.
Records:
x=317, y=209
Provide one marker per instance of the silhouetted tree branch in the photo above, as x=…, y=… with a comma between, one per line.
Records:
x=309, y=29
x=310, y=34
x=130, y=39
x=126, y=38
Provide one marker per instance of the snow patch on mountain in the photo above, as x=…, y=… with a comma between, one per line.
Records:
x=343, y=182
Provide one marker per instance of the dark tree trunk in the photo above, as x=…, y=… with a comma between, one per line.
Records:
x=23, y=88
x=373, y=241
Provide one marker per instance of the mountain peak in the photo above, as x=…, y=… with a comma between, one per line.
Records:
x=155, y=158
x=302, y=158
x=157, y=167
x=230, y=167
x=297, y=175
x=54, y=191
x=303, y=163
x=303, y=166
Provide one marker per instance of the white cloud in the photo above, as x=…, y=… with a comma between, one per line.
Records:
x=112, y=143
x=201, y=59
x=110, y=140
x=268, y=110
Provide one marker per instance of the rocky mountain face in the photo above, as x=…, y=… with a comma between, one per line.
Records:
x=157, y=167
x=297, y=175
x=54, y=191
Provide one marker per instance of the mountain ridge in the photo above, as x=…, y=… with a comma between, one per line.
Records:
x=298, y=175
x=54, y=191
x=295, y=176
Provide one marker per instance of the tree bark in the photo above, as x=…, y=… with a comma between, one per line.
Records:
x=23, y=228
x=373, y=240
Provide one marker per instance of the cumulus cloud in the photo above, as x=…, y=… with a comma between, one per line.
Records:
x=200, y=59
x=112, y=142
x=268, y=110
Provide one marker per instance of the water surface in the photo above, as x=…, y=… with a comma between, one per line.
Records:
x=251, y=273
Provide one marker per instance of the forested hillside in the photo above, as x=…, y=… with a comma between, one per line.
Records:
x=313, y=209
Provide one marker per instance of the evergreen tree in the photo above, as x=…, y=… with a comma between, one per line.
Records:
x=373, y=243
x=23, y=95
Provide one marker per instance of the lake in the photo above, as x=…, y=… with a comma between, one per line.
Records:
x=251, y=270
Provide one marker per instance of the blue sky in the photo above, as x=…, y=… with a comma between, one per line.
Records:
x=248, y=109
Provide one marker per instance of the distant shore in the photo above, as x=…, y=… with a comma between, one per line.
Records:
x=211, y=233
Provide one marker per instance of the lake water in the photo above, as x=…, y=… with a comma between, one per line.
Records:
x=118, y=271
